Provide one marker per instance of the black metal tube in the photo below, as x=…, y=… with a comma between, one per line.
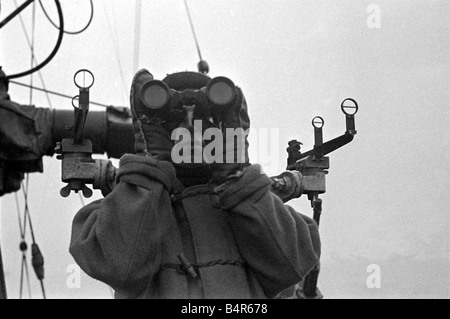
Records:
x=317, y=210
x=81, y=114
x=80, y=120
x=325, y=148
x=110, y=131
x=16, y=12
x=2, y=278
x=310, y=282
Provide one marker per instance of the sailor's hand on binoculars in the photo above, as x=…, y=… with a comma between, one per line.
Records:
x=158, y=142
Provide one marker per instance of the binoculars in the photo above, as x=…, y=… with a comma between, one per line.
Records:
x=164, y=105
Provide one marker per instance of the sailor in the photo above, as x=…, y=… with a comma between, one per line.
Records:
x=192, y=230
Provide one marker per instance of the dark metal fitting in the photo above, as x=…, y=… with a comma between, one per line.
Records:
x=187, y=266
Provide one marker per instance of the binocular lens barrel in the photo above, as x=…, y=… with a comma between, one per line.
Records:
x=155, y=94
x=221, y=91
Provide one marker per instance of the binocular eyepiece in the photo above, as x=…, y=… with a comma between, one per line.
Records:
x=160, y=100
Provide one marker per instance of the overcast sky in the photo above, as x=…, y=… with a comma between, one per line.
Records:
x=386, y=202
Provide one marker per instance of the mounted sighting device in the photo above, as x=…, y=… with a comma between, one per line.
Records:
x=78, y=166
x=306, y=175
x=76, y=153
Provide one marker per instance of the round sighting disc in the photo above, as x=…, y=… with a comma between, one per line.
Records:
x=349, y=107
x=84, y=79
x=318, y=122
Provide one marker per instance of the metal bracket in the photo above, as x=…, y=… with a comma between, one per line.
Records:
x=349, y=107
x=78, y=167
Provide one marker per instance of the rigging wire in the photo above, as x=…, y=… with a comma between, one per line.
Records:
x=23, y=244
x=57, y=94
x=137, y=34
x=34, y=56
x=33, y=33
x=23, y=248
x=24, y=272
x=24, y=268
x=193, y=29
x=112, y=31
x=37, y=259
x=36, y=256
x=55, y=49
x=65, y=31
x=203, y=66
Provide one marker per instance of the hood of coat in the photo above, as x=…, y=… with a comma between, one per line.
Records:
x=179, y=81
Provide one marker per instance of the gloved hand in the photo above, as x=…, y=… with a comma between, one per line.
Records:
x=235, y=117
x=152, y=139
x=288, y=185
x=158, y=142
